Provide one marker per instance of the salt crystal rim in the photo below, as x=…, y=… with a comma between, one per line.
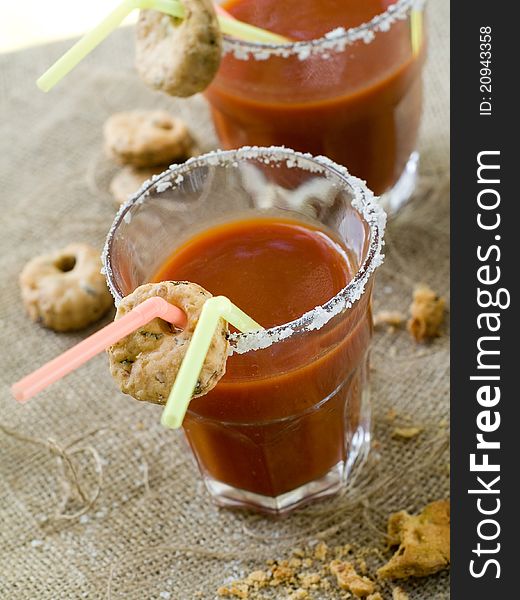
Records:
x=363, y=201
x=334, y=41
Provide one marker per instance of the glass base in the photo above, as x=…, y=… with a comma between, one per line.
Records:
x=330, y=484
x=396, y=197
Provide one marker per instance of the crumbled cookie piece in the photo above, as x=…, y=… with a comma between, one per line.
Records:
x=282, y=573
x=342, y=551
x=427, y=314
x=320, y=552
x=236, y=590
x=299, y=595
x=407, y=433
x=349, y=580
x=246, y=588
x=257, y=579
x=362, y=566
x=309, y=580
x=391, y=318
x=308, y=572
x=325, y=584
x=399, y=594
x=423, y=540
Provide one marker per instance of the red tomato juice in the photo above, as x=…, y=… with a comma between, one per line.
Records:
x=285, y=415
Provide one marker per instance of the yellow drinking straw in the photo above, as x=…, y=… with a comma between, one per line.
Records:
x=416, y=30
x=218, y=307
x=174, y=8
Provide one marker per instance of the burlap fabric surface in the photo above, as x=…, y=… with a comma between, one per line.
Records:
x=97, y=500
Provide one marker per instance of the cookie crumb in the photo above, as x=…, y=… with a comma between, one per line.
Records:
x=426, y=314
x=282, y=573
x=349, y=580
x=407, y=433
x=392, y=318
x=320, y=553
x=309, y=580
x=309, y=570
x=299, y=595
x=237, y=590
x=257, y=579
x=399, y=594
x=341, y=551
x=423, y=540
x=391, y=415
x=362, y=566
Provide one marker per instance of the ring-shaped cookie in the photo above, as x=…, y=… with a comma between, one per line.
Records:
x=146, y=362
x=179, y=57
x=146, y=138
x=64, y=290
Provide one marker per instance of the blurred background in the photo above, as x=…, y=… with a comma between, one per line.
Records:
x=31, y=22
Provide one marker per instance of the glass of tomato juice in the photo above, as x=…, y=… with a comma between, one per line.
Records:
x=294, y=241
x=349, y=86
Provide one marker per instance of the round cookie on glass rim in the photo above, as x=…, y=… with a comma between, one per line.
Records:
x=145, y=363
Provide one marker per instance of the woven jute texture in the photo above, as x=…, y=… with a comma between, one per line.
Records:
x=96, y=499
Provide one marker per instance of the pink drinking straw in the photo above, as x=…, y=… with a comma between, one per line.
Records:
x=71, y=359
x=223, y=12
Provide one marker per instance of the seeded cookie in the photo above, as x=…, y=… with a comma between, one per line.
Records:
x=179, y=57
x=65, y=290
x=146, y=138
x=146, y=362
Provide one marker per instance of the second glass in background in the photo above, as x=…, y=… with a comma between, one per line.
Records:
x=354, y=96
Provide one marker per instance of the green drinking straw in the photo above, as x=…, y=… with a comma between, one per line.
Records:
x=218, y=307
x=174, y=8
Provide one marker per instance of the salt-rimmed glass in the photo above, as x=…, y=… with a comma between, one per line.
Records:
x=354, y=95
x=297, y=416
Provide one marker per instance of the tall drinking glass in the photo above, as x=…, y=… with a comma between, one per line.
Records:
x=291, y=416
x=353, y=94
